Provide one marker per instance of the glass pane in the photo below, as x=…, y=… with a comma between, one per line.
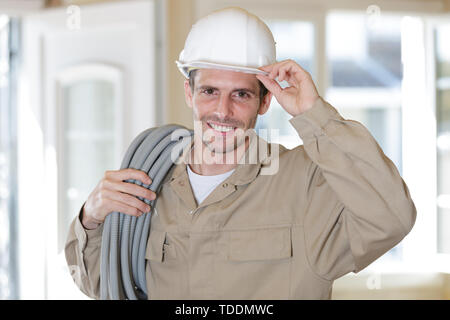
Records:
x=294, y=40
x=88, y=144
x=443, y=221
x=6, y=132
x=443, y=199
x=443, y=136
x=9, y=58
x=363, y=54
x=443, y=51
x=443, y=111
x=385, y=125
x=91, y=107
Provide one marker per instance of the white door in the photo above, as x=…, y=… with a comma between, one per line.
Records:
x=86, y=91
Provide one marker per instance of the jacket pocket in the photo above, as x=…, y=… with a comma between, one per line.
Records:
x=260, y=244
x=158, y=248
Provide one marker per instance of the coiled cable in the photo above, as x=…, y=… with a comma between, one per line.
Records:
x=124, y=237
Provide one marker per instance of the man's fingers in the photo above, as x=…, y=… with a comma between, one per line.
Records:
x=130, y=188
x=287, y=70
x=126, y=199
x=281, y=74
x=127, y=174
x=118, y=206
x=273, y=69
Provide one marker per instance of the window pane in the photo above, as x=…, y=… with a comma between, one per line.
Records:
x=443, y=51
x=384, y=124
x=294, y=40
x=5, y=157
x=443, y=136
x=9, y=46
x=88, y=145
x=363, y=54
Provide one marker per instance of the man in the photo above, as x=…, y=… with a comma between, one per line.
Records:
x=225, y=230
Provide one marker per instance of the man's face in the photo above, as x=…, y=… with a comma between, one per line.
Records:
x=227, y=104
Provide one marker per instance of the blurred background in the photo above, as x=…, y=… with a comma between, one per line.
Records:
x=80, y=79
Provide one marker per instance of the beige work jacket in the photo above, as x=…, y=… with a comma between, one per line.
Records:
x=334, y=205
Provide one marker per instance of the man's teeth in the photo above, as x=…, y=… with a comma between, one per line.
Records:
x=221, y=128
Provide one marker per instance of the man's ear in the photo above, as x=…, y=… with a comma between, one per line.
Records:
x=264, y=106
x=188, y=93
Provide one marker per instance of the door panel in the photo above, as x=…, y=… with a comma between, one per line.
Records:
x=87, y=91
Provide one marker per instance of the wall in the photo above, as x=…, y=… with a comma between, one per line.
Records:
x=180, y=17
x=447, y=5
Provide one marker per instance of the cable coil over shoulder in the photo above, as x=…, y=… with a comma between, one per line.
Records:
x=124, y=238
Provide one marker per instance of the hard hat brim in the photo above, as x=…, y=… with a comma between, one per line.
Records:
x=185, y=68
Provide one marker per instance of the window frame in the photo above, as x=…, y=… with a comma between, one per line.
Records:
x=66, y=77
x=441, y=260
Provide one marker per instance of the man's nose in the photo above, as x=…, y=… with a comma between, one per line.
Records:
x=225, y=105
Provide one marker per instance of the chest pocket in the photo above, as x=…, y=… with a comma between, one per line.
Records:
x=260, y=244
x=158, y=247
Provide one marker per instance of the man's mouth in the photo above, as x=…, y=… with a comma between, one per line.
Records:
x=221, y=128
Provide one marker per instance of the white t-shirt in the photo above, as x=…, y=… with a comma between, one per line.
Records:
x=202, y=186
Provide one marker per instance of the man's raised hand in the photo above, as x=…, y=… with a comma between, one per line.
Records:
x=301, y=93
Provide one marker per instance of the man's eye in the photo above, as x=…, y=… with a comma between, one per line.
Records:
x=243, y=94
x=208, y=91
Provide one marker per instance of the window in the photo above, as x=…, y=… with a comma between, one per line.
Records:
x=90, y=117
x=365, y=73
x=8, y=156
x=89, y=139
x=442, y=48
x=88, y=144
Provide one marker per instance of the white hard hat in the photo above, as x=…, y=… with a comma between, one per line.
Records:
x=231, y=39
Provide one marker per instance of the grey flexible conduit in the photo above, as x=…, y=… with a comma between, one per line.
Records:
x=124, y=238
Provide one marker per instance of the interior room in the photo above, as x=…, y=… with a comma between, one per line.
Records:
x=80, y=79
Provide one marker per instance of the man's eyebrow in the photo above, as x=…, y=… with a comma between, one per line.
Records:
x=203, y=87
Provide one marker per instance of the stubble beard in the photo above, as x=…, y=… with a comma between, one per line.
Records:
x=224, y=151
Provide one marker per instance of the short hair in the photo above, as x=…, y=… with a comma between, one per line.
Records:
x=262, y=89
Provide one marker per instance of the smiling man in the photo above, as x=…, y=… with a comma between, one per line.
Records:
x=233, y=229
x=225, y=106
